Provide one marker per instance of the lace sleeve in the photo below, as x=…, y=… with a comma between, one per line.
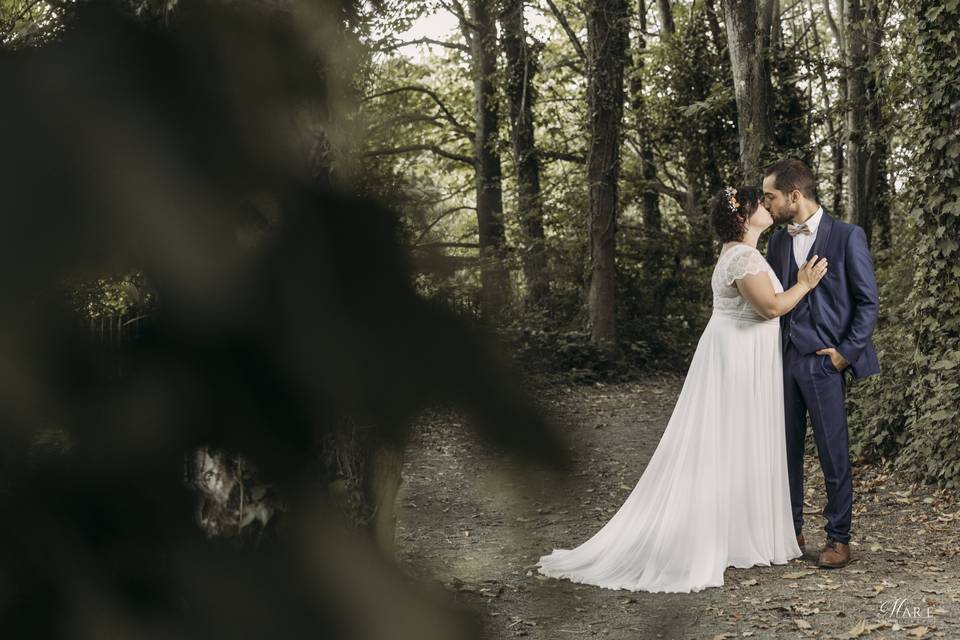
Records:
x=745, y=262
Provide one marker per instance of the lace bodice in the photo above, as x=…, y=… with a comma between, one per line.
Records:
x=737, y=262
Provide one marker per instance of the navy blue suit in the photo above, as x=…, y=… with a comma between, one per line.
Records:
x=840, y=312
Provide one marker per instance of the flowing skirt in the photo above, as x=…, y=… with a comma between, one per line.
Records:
x=715, y=492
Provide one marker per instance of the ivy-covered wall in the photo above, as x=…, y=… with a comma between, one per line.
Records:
x=912, y=410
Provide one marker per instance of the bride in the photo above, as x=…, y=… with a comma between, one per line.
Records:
x=715, y=492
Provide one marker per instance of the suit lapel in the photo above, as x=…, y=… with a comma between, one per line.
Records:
x=823, y=234
x=786, y=254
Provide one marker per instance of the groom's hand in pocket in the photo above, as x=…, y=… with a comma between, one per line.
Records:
x=839, y=362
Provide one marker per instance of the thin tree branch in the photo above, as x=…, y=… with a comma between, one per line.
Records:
x=443, y=214
x=429, y=92
x=447, y=245
x=408, y=118
x=466, y=25
x=421, y=147
x=27, y=8
x=561, y=155
x=837, y=33
x=659, y=187
x=440, y=43
x=562, y=19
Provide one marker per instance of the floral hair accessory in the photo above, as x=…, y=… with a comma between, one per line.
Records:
x=732, y=198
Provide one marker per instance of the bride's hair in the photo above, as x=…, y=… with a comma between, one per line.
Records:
x=731, y=209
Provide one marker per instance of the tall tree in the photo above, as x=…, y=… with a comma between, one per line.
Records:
x=748, y=39
x=692, y=153
x=855, y=53
x=697, y=126
x=608, y=39
x=665, y=10
x=649, y=198
x=875, y=172
x=719, y=42
x=790, y=108
x=480, y=32
x=835, y=136
x=521, y=68
x=861, y=41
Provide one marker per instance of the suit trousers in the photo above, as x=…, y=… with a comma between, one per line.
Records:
x=813, y=385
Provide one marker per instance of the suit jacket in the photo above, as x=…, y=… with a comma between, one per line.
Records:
x=844, y=305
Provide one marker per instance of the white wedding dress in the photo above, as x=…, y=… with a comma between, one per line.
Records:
x=715, y=492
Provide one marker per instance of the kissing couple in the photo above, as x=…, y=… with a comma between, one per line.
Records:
x=724, y=486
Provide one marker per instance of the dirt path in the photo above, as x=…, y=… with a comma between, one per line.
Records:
x=469, y=520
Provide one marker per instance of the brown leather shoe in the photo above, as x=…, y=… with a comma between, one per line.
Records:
x=801, y=542
x=835, y=554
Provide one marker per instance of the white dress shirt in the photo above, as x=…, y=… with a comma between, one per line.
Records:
x=803, y=242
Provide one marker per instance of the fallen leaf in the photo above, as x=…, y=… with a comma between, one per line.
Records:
x=863, y=628
x=796, y=574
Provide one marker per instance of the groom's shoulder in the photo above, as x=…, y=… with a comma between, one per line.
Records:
x=846, y=229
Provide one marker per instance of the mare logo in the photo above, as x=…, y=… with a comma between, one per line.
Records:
x=900, y=609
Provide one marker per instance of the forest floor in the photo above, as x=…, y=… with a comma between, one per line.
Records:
x=477, y=521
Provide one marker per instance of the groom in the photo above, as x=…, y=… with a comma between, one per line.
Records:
x=826, y=335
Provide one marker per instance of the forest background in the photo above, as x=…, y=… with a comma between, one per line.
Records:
x=560, y=169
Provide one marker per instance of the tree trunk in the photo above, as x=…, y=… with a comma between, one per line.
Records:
x=520, y=71
x=666, y=17
x=384, y=477
x=875, y=179
x=494, y=275
x=715, y=32
x=608, y=35
x=691, y=152
x=748, y=39
x=856, y=119
x=649, y=198
x=839, y=161
x=834, y=133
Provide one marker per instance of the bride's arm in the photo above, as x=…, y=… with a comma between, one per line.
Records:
x=758, y=290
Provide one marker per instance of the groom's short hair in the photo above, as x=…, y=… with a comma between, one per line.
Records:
x=790, y=174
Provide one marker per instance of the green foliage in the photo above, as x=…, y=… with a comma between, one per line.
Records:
x=110, y=296
x=912, y=409
x=693, y=109
x=932, y=449
x=543, y=346
x=879, y=406
x=790, y=109
x=664, y=298
x=25, y=23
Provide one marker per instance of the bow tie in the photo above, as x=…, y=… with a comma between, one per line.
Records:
x=794, y=229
